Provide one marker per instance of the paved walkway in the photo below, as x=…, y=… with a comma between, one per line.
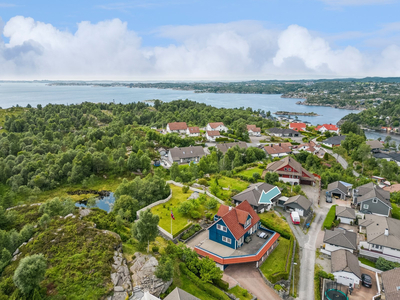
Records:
x=250, y=279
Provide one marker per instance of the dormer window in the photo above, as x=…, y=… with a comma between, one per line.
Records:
x=247, y=224
x=289, y=169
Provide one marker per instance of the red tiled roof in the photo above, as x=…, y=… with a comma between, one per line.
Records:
x=177, y=126
x=194, y=129
x=253, y=128
x=297, y=126
x=213, y=133
x=236, y=216
x=215, y=124
x=327, y=126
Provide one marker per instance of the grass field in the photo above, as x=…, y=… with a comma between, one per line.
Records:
x=276, y=223
x=249, y=172
x=240, y=293
x=276, y=262
x=232, y=184
x=164, y=211
x=367, y=262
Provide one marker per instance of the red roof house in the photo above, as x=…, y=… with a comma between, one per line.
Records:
x=298, y=126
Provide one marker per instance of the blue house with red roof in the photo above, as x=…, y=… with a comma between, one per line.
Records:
x=226, y=240
x=233, y=224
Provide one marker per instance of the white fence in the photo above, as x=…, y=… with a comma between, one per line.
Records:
x=150, y=206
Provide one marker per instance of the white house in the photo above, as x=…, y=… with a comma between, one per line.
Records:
x=383, y=236
x=328, y=127
x=177, y=127
x=346, y=215
x=212, y=135
x=337, y=239
x=218, y=126
x=345, y=268
x=193, y=131
x=253, y=130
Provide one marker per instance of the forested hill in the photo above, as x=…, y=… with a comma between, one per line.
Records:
x=46, y=147
x=386, y=114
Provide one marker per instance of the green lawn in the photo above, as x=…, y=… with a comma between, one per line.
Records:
x=164, y=211
x=249, y=172
x=240, y=293
x=232, y=184
x=276, y=262
x=272, y=221
x=367, y=262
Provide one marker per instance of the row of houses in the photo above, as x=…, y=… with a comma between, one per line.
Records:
x=212, y=129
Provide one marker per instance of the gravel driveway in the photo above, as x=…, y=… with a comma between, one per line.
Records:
x=250, y=279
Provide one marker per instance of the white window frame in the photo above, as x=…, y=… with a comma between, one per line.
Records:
x=226, y=240
x=289, y=169
x=247, y=224
x=374, y=200
x=222, y=228
x=365, y=206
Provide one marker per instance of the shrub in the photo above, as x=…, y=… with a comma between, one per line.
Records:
x=330, y=217
x=278, y=287
x=202, y=181
x=223, y=285
x=195, y=214
x=211, y=203
x=385, y=265
x=165, y=269
x=256, y=176
x=185, y=189
x=155, y=249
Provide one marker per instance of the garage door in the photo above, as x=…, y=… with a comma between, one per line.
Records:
x=345, y=280
x=300, y=211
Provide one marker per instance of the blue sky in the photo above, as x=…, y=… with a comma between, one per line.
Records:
x=366, y=31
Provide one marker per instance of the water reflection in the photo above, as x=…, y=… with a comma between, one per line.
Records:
x=105, y=203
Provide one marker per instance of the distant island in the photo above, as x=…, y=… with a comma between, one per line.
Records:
x=291, y=113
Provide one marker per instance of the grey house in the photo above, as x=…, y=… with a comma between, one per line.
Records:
x=300, y=204
x=346, y=215
x=261, y=196
x=334, y=141
x=185, y=155
x=224, y=147
x=372, y=199
x=283, y=132
x=339, y=239
x=338, y=190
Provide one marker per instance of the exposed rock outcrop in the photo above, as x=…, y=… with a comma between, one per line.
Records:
x=120, y=276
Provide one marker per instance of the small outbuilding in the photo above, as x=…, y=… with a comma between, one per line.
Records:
x=299, y=204
x=345, y=268
x=347, y=215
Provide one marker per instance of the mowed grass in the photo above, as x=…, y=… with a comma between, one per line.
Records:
x=164, y=211
x=240, y=293
x=231, y=184
x=367, y=262
x=250, y=172
x=274, y=222
x=276, y=262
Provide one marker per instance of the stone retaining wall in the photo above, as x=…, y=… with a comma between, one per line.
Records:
x=150, y=206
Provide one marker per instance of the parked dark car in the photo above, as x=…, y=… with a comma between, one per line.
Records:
x=366, y=280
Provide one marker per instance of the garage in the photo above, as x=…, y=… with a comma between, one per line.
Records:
x=345, y=267
x=345, y=280
x=300, y=211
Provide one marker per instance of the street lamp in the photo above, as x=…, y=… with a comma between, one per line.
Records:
x=293, y=275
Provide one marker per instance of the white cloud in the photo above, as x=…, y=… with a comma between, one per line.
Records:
x=238, y=50
x=7, y=5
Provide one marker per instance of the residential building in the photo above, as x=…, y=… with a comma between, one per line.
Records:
x=298, y=126
x=253, y=130
x=179, y=294
x=334, y=141
x=176, y=127
x=224, y=147
x=375, y=145
x=347, y=215
x=338, y=189
x=219, y=126
x=283, y=132
x=261, y=196
x=299, y=204
x=383, y=236
x=327, y=127
x=186, y=154
x=193, y=131
x=339, y=239
x=346, y=268
x=278, y=150
x=389, y=156
x=370, y=198
x=212, y=135
x=391, y=284
x=236, y=236
x=289, y=170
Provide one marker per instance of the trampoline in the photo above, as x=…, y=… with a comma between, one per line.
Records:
x=333, y=294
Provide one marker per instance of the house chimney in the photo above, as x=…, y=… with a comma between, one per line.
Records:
x=279, y=144
x=386, y=232
x=256, y=187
